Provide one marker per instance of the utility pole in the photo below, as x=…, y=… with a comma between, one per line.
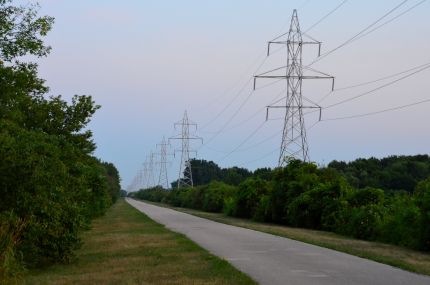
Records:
x=163, y=180
x=294, y=143
x=185, y=173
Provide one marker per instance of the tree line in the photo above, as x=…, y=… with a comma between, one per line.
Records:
x=322, y=198
x=51, y=185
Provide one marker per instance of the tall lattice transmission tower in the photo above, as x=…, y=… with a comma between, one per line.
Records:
x=185, y=172
x=163, y=180
x=294, y=143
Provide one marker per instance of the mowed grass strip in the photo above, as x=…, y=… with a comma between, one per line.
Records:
x=126, y=247
x=404, y=258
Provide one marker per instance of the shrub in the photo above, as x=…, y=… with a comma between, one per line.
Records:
x=401, y=225
x=422, y=200
x=362, y=216
x=215, y=194
x=11, y=228
x=248, y=197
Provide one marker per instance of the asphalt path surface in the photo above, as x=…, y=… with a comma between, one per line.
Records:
x=272, y=260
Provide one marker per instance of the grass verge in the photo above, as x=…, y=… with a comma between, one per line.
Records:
x=404, y=258
x=126, y=247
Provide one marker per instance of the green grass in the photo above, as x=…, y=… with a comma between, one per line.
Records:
x=126, y=247
x=404, y=258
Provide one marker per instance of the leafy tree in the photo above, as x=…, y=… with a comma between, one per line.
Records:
x=394, y=173
x=363, y=216
x=206, y=171
x=215, y=194
x=248, y=197
x=50, y=184
x=21, y=31
x=402, y=223
x=422, y=198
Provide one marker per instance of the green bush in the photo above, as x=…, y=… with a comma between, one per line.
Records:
x=154, y=194
x=11, y=228
x=248, y=197
x=317, y=208
x=363, y=214
x=263, y=210
x=215, y=194
x=402, y=223
x=288, y=183
x=422, y=200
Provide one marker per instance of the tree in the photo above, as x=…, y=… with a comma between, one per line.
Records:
x=422, y=200
x=50, y=184
x=21, y=31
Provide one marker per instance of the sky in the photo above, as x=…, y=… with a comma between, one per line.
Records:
x=146, y=62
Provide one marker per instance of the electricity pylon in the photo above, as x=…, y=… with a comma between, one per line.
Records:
x=185, y=173
x=150, y=169
x=163, y=181
x=146, y=174
x=294, y=143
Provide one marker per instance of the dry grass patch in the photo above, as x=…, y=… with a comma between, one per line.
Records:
x=126, y=247
x=404, y=258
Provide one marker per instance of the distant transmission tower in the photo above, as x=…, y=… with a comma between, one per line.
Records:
x=294, y=143
x=151, y=168
x=145, y=174
x=185, y=173
x=163, y=181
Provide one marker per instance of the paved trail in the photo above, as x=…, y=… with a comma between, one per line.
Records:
x=275, y=260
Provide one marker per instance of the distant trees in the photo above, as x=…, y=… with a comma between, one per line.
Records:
x=392, y=173
x=303, y=195
x=50, y=184
x=207, y=171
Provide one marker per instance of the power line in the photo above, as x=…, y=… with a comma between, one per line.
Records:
x=372, y=81
x=261, y=142
x=259, y=110
x=239, y=92
x=271, y=152
x=217, y=133
x=382, y=78
x=326, y=16
x=359, y=33
x=378, y=112
x=260, y=158
x=391, y=20
x=233, y=99
x=244, y=141
x=305, y=2
x=377, y=88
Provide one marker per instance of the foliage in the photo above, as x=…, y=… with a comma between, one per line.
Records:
x=422, y=200
x=155, y=194
x=248, y=197
x=215, y=194
x=393, y=173
x=50, y=184
x=402, y=223
x=206, y=171
x=21, y=31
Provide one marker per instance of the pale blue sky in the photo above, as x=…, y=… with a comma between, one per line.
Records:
x=147, y=61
